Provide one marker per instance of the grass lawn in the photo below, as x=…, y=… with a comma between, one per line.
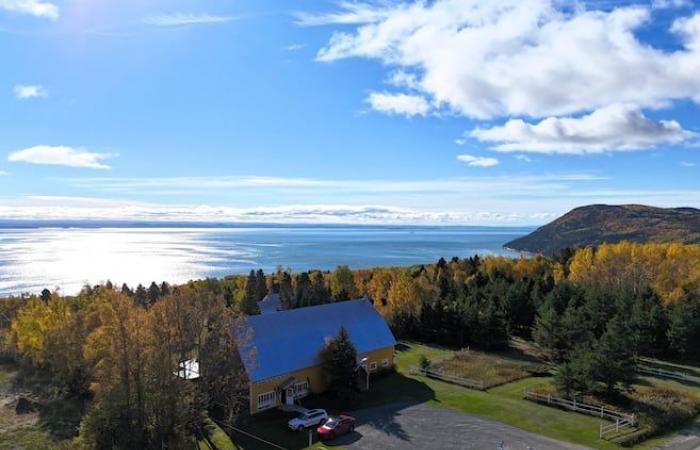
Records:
x=503, y=403
x=487, y=368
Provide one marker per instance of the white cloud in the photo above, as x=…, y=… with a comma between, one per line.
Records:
x=2, y=172
x=294, y=47
x=478, y=161
x=35, y=8
x=310, y=188
x=28, y=91
x=181, y=19
x=60, y=156
x=85, y=208
x=349, y=13
x=402, y=104
x=666, y=4
x=614, y=128
x=523, y=158
x=531, y=58
x=687, y=164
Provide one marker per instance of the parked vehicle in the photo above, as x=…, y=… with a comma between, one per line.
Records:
x=336, y=426
x=310, y=418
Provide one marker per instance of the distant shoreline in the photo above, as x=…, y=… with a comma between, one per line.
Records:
x=51, y=223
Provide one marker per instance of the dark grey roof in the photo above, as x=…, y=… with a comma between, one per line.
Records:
x=291, y=340
x=270, y=304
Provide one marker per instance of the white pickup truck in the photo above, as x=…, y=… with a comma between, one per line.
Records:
x=310, y=418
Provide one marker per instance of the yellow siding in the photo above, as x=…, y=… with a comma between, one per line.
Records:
x=314, y=375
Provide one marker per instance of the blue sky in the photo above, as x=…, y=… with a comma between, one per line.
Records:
x=383, y=112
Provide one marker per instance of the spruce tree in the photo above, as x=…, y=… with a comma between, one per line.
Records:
x=339, y=364
x=249, y=305
x=286, y=291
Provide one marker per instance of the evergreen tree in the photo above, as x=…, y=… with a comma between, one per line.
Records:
x=614, y=358
x=548, y=333
x=141, y=296
x=126, y=290
x=45, y=295
x=649, y=323
x=302, y=290
x=153, y=293
x=681, y=329
x=260, y=285
x=319, y=292
x=286, y=291
x=339, y=364
x=249, y=305
x=164, y=289
x=228, y=296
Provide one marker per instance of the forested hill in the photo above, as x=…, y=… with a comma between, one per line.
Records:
x=595, y=224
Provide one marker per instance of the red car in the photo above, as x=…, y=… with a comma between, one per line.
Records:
x=336, y=426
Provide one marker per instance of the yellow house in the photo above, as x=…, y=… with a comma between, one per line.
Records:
x=282, y=357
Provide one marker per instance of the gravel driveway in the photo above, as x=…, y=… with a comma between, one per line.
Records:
x=400, y=426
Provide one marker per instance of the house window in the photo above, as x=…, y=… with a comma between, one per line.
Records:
x=372, y=366
x=385, y=362
x=266, y=400
x=301, y=389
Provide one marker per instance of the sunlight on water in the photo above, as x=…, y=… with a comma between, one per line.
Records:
x=70, y=258
x=33, y=259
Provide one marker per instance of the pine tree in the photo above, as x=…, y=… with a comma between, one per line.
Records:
x=260, y=285
x=141, y=296
x=302, y=290
x=339, y=364
x=286, y=291
x=319, y=292
x=164, y=289
x=249, y=305
x=126, y=290
x=153, y=293
x=548, y=333
x=614, y=358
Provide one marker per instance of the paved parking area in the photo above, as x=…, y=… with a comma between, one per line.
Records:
x=421, y=426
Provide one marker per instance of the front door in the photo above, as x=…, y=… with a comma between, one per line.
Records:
x=290, y=396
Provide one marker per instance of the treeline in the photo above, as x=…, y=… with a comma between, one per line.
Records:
x=121, y=359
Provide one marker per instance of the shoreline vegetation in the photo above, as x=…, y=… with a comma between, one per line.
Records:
x=588, y=315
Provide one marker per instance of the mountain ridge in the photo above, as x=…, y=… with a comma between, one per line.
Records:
x=592, y=225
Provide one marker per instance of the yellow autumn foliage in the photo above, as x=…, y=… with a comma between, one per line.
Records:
x=672, y=270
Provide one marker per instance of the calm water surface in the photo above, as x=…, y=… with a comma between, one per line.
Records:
x=32, y=259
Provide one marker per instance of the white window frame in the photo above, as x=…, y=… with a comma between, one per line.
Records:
x=267, y=400
x=373, y=366
x=385, y=362
x=301, y=389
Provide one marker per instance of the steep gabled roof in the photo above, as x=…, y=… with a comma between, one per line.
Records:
x=291, y=340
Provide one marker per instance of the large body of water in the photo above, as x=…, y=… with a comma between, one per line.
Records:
x=32, y=259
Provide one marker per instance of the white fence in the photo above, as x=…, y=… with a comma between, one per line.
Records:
x=619, y=424
x=575, y=405
x=472, y=384
x=645, y=370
